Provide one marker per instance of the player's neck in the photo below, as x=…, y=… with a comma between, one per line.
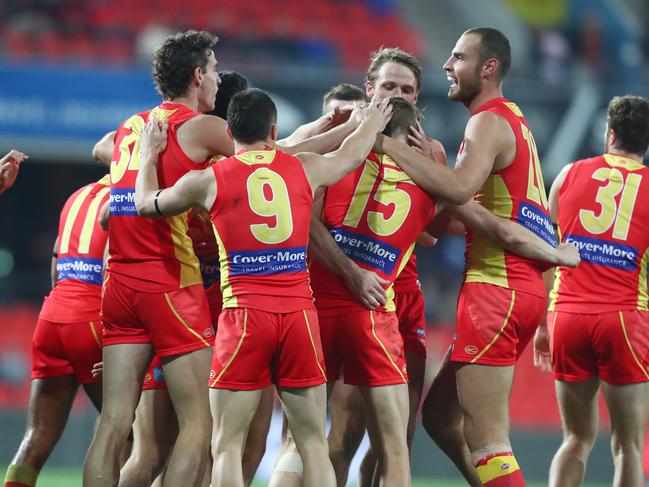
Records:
x=190, y=102
x=489, y=92
x=261, y=145
x=626, y=155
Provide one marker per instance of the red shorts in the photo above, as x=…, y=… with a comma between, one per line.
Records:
x=494, y=324
x=174, y=322
x=66, y=349
x=255, y=349
x=155, y=376
x=367, y=344
x=215, y=302
x=412, y=322
x=613, y=345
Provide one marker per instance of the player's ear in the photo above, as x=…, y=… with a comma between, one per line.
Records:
x=198, y=74
x=369, y=89
x=273, y=132
x=229, y=132
x=490, y=67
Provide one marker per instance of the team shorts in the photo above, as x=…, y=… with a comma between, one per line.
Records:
x=66, y=349
x=494, y=324
x=412, y=322
x=255, y=349
x=174, y=322
x=155, y=376
x=613, y=345
x=368, y=346
x=215, y=302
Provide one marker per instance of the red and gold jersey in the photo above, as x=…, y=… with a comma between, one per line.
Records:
x=408, y=278
x=375, y=215
x=201, y=231
x=82, y=244
x=604, y=210
x=150, y=255
x=262, y=215
x=516, y=192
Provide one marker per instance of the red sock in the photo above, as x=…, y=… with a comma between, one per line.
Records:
x=500, y=470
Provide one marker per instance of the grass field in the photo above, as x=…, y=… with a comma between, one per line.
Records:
x=62, y=477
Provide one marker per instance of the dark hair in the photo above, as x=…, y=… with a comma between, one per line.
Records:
x=404, y=115
x=345, y=92
x=231, y=84
x=175, y=60
x=628, y=117
x=250, y=116
x=393, y=55
x=494, y=44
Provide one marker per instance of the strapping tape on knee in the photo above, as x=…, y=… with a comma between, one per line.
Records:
x=290, y=462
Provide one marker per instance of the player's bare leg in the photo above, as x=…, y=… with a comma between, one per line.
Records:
x=579, y=415
x=232, y=413
x=416, y=371
x=288, y=469
x=387, y=408
x=348, y=424
x=154, y=433
x=628, y=407
x=187, y=377
x=306, y=414
x=49, y=406
x=443, y=420
x=483, y=392
x=255, y=446
x=124, y=369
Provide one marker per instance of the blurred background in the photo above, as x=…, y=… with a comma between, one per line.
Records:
x=72, y=70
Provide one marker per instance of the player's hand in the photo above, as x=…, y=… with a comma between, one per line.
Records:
x=378, y=113
x=97, y=369
x=367, y=287
x=9, y=167
x=567, y=255
x=153, y=139
x=542, y=355
x=425, y=239
x=418, y=140
x=339, y=115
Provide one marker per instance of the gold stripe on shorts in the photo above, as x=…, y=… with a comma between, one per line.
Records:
x=315, y=350
x=502, y=328
x=94, y=333
x=628, y=342
x=193, y=332
x=236, y=352
x=385, y=350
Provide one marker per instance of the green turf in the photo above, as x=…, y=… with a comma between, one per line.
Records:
x=71, y=477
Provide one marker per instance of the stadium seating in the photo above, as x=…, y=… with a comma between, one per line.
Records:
x=316, y=31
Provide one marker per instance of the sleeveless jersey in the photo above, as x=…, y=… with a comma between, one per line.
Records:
x=262, y=215
x=206, y=249
x=375, y=215
x=150, y=255
x=82, y=243
x=516, y=192
x=408, y=278
x=604, y=210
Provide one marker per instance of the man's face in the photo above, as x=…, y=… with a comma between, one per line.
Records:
x=209, y=86
x=394, y=79
x=463, y=69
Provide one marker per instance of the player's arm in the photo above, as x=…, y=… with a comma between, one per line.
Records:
x=102, y=152
x=364, y=285
x=318, y=126
x=514, y=237
x=487, y=135
x=54, y=273
x=325, y=142
x=205, y=136
x=196, y=188
x=329, y=168
x=542, y=353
